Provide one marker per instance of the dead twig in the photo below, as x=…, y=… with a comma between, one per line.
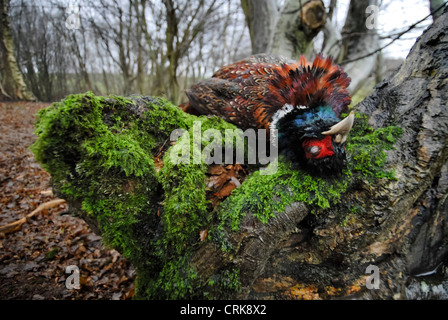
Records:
x=14, y=226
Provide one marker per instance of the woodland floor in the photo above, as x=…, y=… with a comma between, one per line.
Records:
x=33, y=260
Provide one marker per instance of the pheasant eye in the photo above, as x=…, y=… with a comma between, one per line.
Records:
x=314, y=150
x=318, y=148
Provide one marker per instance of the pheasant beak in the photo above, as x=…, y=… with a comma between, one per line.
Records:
x=341, y=129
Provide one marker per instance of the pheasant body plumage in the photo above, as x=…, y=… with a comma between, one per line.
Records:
x=301, y=100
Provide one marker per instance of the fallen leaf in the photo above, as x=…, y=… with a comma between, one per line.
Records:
x=216, y=170
x=226, y=190
x=48, y=192
x=217, y=182
x=203, y=234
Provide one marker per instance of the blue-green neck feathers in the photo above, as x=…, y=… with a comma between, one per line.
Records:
x=320, y=113
x=303, y=121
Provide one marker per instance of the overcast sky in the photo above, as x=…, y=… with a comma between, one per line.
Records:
x=396, y=16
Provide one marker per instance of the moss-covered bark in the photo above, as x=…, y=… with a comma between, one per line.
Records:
x=100, y=153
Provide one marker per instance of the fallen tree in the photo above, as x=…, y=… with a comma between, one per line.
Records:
x=285, y=235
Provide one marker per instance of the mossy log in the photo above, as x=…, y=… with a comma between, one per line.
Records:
x=285, y=235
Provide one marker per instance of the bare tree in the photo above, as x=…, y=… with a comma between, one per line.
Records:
x=185, y=20
x=46, y=52
x=225, y=39
x=125, y=47
x=12, y=85
x=261, y=18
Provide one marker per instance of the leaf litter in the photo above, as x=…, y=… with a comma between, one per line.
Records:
x=33, y=259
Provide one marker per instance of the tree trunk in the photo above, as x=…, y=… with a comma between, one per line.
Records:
x=298, y=24
x=433, y=6
x=403, y=226
x=412, y=236
x=288, y=32
x=359, y=38
x=261, y=18
x=395, y=225
x=140, y=13
x=12, y=85
x=400, y=227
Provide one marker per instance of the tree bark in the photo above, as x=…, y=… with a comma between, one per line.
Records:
x=414, y=209
x=261, y=18
x=12, y=85
x=287, y=32
x=398, y=226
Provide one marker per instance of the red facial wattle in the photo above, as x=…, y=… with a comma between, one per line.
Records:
x=318, y=149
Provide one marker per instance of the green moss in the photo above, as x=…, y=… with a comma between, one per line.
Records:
x=186, y=210
x=97, y=161
x=265, y=195
x=230, y=280
x=101, y=154
x=176, y=280
x=185, y=205
x=223, y=284
x=366, y=149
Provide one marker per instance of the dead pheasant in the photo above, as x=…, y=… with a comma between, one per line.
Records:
x=302, y=101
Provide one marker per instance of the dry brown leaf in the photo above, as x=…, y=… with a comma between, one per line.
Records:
x=237, y=167
x=48, y=192
x=217, y=182
x=226, y=190
x=303, y=292
x=158, y=163
x=18, y=224
x=203, y=234
x=24, y=186
x=216, y=170
x=128, y=295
